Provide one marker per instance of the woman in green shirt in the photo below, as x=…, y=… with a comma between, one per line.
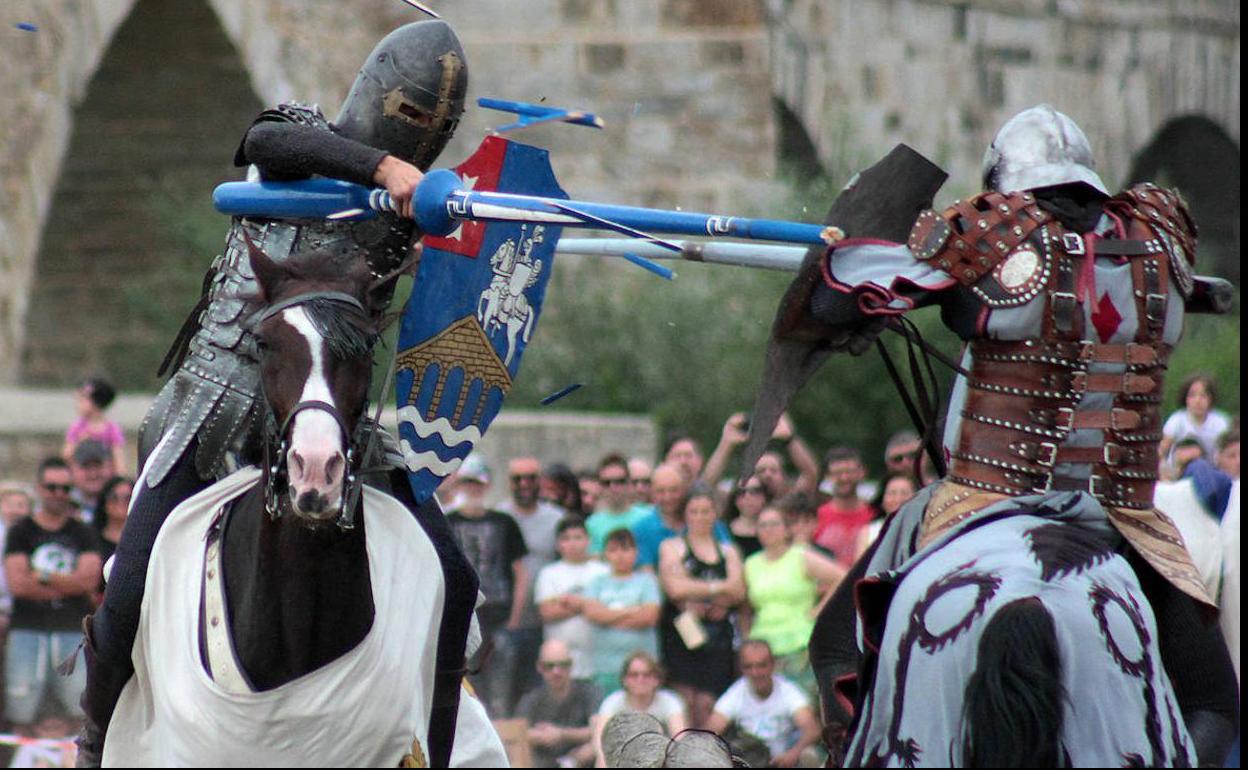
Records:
x=787, y=584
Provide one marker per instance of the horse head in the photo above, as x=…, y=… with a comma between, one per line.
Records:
x=314, y=337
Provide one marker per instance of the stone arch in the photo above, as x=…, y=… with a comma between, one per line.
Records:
x=129, y=220
x=1194, y=154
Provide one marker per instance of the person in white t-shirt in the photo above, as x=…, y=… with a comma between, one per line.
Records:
x=1196, y=418
x=559, y=593
x=768, y=706
x=642, y=680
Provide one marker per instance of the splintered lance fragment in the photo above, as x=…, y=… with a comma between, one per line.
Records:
x=654, y=267
x=553, y=397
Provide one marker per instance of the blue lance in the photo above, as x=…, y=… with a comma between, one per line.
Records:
x=442, y=202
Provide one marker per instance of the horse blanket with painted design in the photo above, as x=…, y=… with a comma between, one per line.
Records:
x=925, y=615
x=367, y=708
x=472, y=311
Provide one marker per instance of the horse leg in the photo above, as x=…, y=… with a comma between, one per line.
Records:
x=1013, y=701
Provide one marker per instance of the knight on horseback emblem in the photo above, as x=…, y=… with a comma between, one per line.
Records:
x=503, y=306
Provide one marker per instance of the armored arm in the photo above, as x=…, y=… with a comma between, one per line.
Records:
x=296, y=142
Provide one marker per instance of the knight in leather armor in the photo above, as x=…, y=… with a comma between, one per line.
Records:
x=1069, y=300
x=207, y=419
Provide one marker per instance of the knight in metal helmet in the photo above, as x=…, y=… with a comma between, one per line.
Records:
x=1069, y=300
x=397, y=118
x=1039, y=147
x=409, y=94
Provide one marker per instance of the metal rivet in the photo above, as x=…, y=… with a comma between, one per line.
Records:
x=215, y=622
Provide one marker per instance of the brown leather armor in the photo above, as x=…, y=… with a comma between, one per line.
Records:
x=1027, y=397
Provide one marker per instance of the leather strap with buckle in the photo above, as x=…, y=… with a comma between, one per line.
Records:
x=1129, y=382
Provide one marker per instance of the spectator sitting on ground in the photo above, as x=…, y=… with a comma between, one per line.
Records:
x=640, y=471
x=770, y=707
x=537, y=520
x=90, y=401
x=52, y=562
x=559, y=711
x=624, y=608
x=842, y=518
x=770, y=465
x=91, y=466
x=684, y=452
x=560, y=594
x=642, y=681
x=664, y=519
x=615, y=508
x=1228, y=453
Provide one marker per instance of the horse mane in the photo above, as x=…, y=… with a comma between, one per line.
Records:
x=348, y=332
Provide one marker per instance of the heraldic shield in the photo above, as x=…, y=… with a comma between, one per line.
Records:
x=471, y=314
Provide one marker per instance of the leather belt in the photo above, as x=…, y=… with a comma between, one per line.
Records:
x=1123, y=492
x=1082, y=382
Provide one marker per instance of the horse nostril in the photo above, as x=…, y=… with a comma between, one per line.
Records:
x=333, y=468
x=296, y=462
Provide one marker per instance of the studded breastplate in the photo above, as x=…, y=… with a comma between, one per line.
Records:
x=1076, y=406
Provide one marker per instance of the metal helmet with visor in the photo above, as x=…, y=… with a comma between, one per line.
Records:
x=409, y=95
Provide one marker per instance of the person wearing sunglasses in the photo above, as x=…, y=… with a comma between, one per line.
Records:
x=615, y=505
x=52, y=562
x=559, y=711
x=111, y=508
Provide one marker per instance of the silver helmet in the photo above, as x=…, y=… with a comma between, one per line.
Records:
x=1039, y=147
x=409, y=94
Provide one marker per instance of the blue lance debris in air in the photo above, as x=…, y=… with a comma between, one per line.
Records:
x=654, y=267
x=553, y=397
x=26, y=26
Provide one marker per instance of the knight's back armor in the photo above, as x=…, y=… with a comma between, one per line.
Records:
x=1067, y=360
x=213, y=394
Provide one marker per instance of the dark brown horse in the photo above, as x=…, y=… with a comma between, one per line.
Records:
x=292, y=594
x=297, y=579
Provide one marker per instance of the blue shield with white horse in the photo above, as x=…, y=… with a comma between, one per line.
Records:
x=473, y=309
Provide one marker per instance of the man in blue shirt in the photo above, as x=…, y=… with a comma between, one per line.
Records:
x=667, y=489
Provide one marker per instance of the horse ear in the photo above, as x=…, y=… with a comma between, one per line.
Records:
x=269, y=274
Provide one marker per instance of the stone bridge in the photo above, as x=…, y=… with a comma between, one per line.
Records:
x=118, y=115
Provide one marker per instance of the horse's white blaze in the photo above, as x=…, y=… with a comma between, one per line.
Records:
x=315, y=459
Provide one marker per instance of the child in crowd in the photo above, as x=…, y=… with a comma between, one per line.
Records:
x=91, y=400
x=624, y=608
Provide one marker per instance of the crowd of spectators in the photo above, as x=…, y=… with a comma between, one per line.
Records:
x=669, y=587
x=665, y=585
x=679, y=586
x=57, y=533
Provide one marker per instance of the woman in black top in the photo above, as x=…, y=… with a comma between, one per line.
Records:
x=111, y=509
x=702, y=582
